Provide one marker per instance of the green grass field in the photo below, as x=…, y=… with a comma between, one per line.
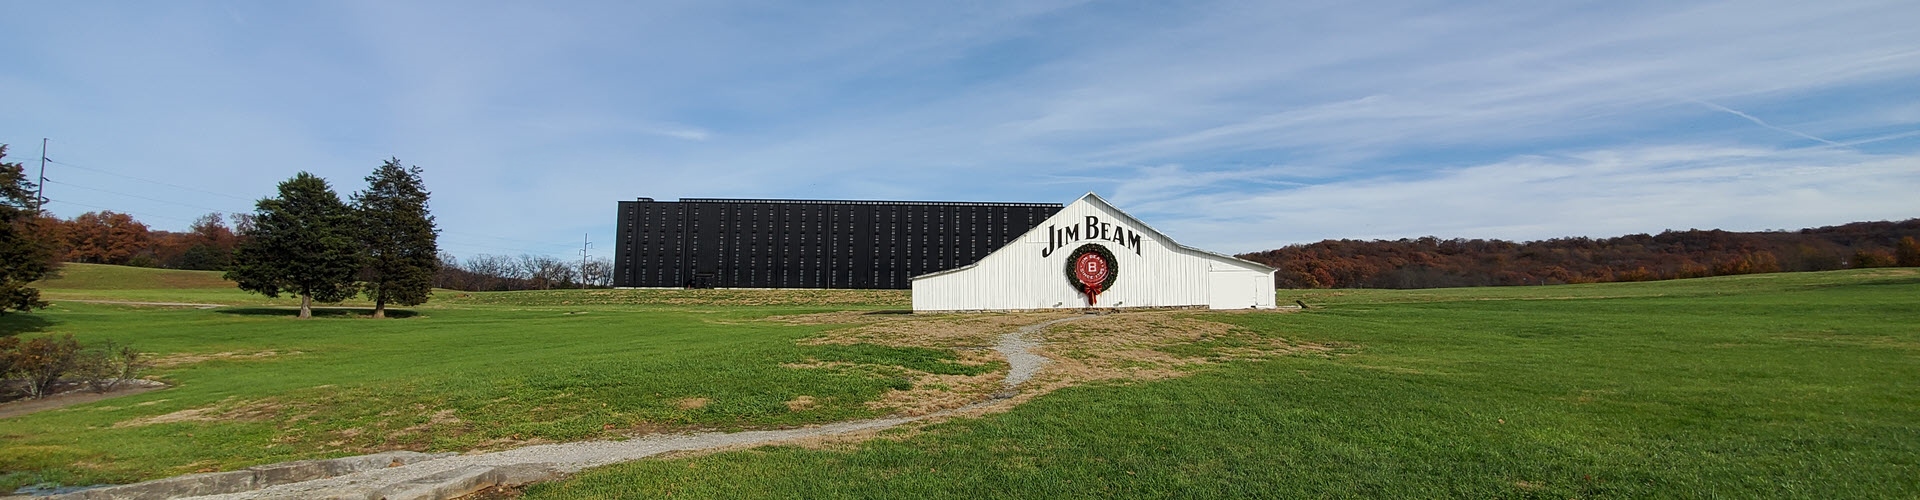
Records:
x=101, y=282
x=1766, y=386
x=1782, y=385
x=261, y=387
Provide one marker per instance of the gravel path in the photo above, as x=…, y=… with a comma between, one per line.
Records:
x=1018, y=349
x=407, y=481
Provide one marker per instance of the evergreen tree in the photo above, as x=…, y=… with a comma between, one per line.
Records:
x=302, y=243
x=397, y=236
x=24, y=257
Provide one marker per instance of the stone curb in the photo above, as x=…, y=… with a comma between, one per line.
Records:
x=248, y=479
x=462, y=481
x=443, y=485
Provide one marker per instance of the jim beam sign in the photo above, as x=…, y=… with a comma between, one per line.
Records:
x=1091, y=268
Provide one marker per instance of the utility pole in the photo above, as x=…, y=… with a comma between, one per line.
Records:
x=584, y=245
x=40, y=190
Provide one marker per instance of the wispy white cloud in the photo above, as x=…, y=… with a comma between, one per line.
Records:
x=1763, y=123
x=1602, y=192
x=1242, y=123
x=1467, y=78
x=681, y=132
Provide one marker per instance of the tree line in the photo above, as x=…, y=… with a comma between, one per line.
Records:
x=108, y=237
x=304, y=242
x=494, y=273
x=1431, y=262
x=210, y=243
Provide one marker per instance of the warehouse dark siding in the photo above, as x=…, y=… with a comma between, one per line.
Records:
x=709, y=242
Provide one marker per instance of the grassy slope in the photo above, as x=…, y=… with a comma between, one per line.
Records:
x=1784, y=385
x=104, y=282
x=342, y=385
x=139, y=284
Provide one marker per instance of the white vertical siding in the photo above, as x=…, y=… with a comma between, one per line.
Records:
x=1160, y=273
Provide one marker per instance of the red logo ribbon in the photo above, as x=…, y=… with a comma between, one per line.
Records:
x=1091, y=271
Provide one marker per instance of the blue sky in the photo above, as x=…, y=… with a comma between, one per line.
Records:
x=1233, y=126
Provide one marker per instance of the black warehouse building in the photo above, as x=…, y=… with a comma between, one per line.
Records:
x=736, y=243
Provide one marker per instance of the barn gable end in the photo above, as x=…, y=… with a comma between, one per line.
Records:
x=1147, y=269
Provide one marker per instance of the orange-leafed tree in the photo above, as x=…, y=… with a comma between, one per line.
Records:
x=1907, y=253
x=105, y=237
x=168, y=247
x=209, y=243
x=1872, y=258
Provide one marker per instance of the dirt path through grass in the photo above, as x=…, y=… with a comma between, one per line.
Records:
x=74, y=397
x=1017, y=347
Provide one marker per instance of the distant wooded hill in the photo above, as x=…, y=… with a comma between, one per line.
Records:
x=1433, y=263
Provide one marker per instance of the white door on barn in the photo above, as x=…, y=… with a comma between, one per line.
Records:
x=1231, y=289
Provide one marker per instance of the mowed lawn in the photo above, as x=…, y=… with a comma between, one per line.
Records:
x=1762, y=386
x=121, y=283
x=1783, y=385
x=253, y=385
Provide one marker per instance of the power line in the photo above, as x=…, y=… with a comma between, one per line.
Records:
x=240, y=198
x=498, y=237
x=69, y=184
x=110, y=209
x=489, y=247
x=154, y=216
x=454, y=241
x=163, y=183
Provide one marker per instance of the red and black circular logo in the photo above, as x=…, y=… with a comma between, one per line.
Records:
x=1092, y=269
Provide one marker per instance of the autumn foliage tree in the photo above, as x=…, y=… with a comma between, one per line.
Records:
x=206, y=245
x=302, y=242
x=1907, y=253
x=209, y=244
x=105, y=237
x=398, y=237
x=41, y=361
x=1866, y=258
x=1432, y=262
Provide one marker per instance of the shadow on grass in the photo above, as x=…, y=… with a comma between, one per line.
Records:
x=1892, y=280
x=1873, y=281
x=890, y=311
x=14, y=323
x=318, y=312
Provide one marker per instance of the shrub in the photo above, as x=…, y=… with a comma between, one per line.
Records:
x=41, y=361
x=1872, y=258
x=107, y=365
x=9, y=356
x=1907, y=253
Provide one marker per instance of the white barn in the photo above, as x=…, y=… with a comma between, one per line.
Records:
x=1091, y=254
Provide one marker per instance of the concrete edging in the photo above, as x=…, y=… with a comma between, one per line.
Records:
x=462, y=481
x=248, y=479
